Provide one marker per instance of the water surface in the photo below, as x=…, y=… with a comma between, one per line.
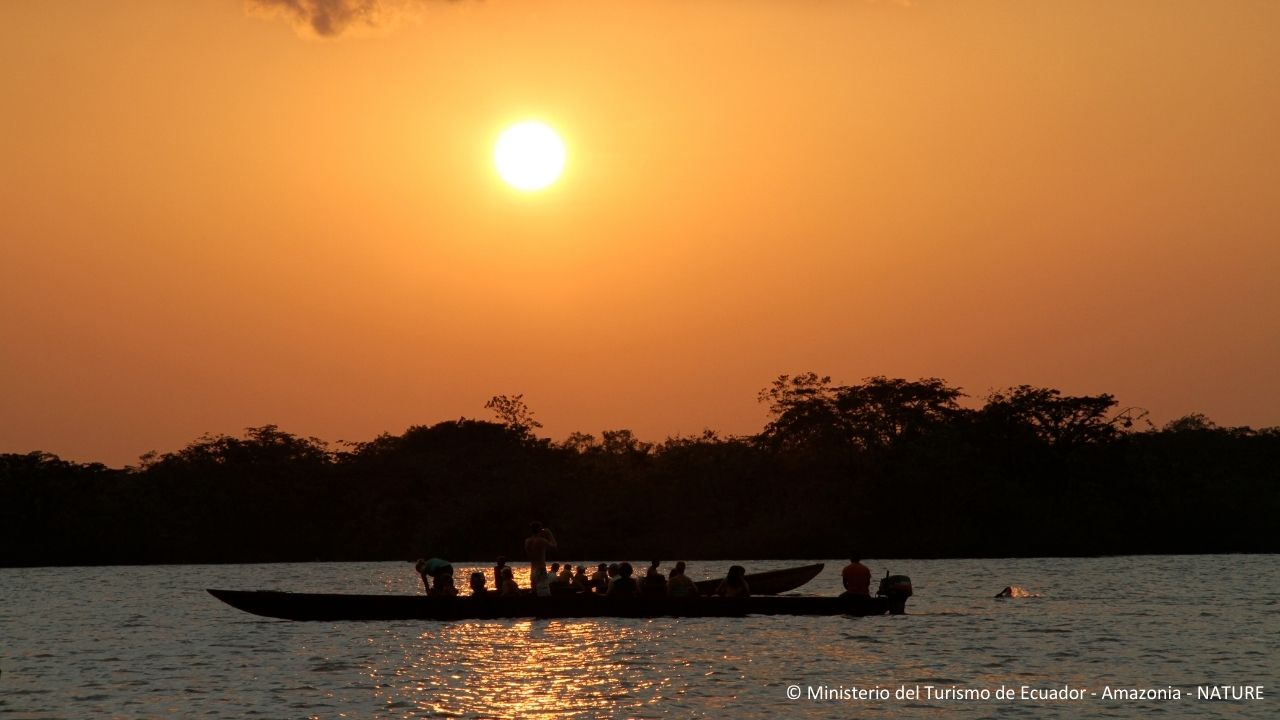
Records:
x=148, y=642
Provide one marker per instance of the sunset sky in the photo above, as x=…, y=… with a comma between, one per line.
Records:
x=213, y=216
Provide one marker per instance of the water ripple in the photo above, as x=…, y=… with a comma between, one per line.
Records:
x=153, y=644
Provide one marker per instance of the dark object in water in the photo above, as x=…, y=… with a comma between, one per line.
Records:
x=322, y=606
x=895, y=589
x=768, y=583
x=1013, y=591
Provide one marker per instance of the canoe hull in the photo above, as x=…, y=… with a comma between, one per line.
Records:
x=321, y=606
x=772, y=582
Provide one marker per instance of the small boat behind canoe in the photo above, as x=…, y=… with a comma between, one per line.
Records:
x=321, y=606
x=770, y=583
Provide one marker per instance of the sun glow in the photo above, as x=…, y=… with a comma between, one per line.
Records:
x=529, y=155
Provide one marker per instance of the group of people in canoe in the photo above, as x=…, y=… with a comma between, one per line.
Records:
x=608, y=579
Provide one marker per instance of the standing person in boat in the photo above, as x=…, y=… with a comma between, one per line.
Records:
x=623, y=585
x=679, y=584
x=477, y=585
x=540, y=580
x=536, y=545
x=653, y=583
x=734, y=584
x=856, y=578
x=600, y=579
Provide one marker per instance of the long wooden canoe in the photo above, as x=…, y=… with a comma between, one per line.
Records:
x=321, y=606
x=772, y=582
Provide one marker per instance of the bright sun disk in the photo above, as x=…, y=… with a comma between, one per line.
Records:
x=529, y=155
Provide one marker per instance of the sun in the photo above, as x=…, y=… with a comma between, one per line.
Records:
x=529, y=155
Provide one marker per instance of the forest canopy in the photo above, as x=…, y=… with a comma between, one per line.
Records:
x=888, y=467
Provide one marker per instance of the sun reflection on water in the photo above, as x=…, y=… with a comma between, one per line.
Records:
x=521, y=668
x=613, y=667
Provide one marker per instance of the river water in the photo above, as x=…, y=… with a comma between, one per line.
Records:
x=148, y=642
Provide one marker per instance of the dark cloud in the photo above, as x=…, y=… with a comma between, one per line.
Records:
x=329, y=18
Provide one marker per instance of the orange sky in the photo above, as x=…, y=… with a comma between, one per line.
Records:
x=210, y=220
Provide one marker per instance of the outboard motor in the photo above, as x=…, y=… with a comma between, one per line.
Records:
x=896, y=588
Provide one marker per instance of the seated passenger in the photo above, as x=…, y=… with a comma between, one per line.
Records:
x=734, y=584
x=679, y=584
x=653, y=584
x=444, y=584
x=600, y=579
x=477, y=585
x=581, y=583
x=856, y=578
x=623, y=585
x=498, y=565
x=508, y=587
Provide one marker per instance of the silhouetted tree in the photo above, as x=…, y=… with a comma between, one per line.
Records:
x=513, y=413
x=623, y=442
x=1195, y=422
x=1052, y=417
x=803, y=414
x=894, y=467
x=881, y=411
x=580, y=443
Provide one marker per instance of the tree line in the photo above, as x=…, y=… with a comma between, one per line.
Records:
x=885, y=468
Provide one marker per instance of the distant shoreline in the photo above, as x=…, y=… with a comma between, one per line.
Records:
x=485, y=563
x=887, y=468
